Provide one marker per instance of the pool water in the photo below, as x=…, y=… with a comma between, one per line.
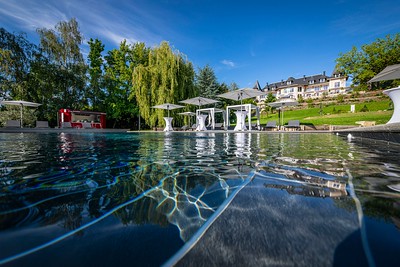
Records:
x=144, y=199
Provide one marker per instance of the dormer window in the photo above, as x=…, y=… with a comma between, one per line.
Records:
x=322, y=80
x=289, y=82
x=311, y=82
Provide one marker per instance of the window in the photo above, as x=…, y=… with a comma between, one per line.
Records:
x=299, y=89
x=325, y=87
x=337, y=84
x=311, y=82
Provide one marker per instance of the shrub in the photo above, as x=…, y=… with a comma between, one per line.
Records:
x=364, y=109
x=340, y=98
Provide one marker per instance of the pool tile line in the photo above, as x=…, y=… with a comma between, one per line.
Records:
x=360, y=214
x=203, y=229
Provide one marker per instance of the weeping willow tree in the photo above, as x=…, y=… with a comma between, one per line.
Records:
x=168, y=77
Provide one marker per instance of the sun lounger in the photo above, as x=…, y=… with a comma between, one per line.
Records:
x=254, y=127
x=194, y=126
x=293, y=125
x=86, y=125
x=42, y=124
x=366, y=123
x=13, y=124
x=271, y=125
x=218, y=126
x=184, y=128
x=66, y=124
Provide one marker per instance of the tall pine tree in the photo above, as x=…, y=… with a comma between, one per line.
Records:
x=206, y=83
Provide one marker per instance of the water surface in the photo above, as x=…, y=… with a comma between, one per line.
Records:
x=137, y=199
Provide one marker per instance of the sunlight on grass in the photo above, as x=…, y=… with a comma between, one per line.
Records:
x=336, y=114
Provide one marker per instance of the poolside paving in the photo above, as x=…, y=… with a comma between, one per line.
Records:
x=60, y=130
x=384, y=132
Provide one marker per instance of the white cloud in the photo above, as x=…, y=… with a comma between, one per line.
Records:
x=97, y=19
x=228, y=63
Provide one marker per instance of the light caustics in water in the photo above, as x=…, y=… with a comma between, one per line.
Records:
x=182, y=201
x=186, y=210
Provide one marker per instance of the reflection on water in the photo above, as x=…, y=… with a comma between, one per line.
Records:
x=57, y=189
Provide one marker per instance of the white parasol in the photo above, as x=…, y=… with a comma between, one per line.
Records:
x=20, y=103
x=241, y=94
x=389, y=73
x=199, y=101
x=168, y=106
x=283, y=102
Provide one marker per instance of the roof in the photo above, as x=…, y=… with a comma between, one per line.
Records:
x=305, y=80
x=257, y=86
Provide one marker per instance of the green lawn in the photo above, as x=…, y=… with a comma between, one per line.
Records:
x=378, y=111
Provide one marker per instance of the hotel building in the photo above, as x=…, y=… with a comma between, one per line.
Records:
x=307, y=87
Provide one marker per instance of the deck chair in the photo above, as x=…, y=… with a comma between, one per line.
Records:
x=86, y=125
x=293, y=125
x=42, y=124
x=13, y=124
x=254, y=127
x=66, y=124
x=184, y=128
x=271, y=125
x=194, y=126
x=218, y=126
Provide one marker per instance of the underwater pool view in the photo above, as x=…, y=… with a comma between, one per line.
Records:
x=198, y=199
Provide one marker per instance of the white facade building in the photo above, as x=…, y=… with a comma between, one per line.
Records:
x=307, y=87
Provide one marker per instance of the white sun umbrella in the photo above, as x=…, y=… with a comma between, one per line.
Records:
x=20, y=103
x=240, y=94
x=282, y=103
x=168, y=106
x=199, y=101
x=389, y=73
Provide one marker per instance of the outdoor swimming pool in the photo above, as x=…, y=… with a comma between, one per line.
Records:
x=143, y=199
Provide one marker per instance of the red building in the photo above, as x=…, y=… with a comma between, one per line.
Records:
x=81, y=119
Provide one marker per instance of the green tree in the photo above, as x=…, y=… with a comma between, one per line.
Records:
x=95, y=93
x=62, y=49
x=166, y=78
x=119, y=66
x=16, y=54
x=43, y=80
x=206, y=82
x=373, y=58
x=119, y=85
x=271, y=98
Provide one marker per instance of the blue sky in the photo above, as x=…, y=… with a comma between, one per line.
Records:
x=243, y=41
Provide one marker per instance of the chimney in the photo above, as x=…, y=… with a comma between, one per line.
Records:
x=304, y=77
x=323, y=73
